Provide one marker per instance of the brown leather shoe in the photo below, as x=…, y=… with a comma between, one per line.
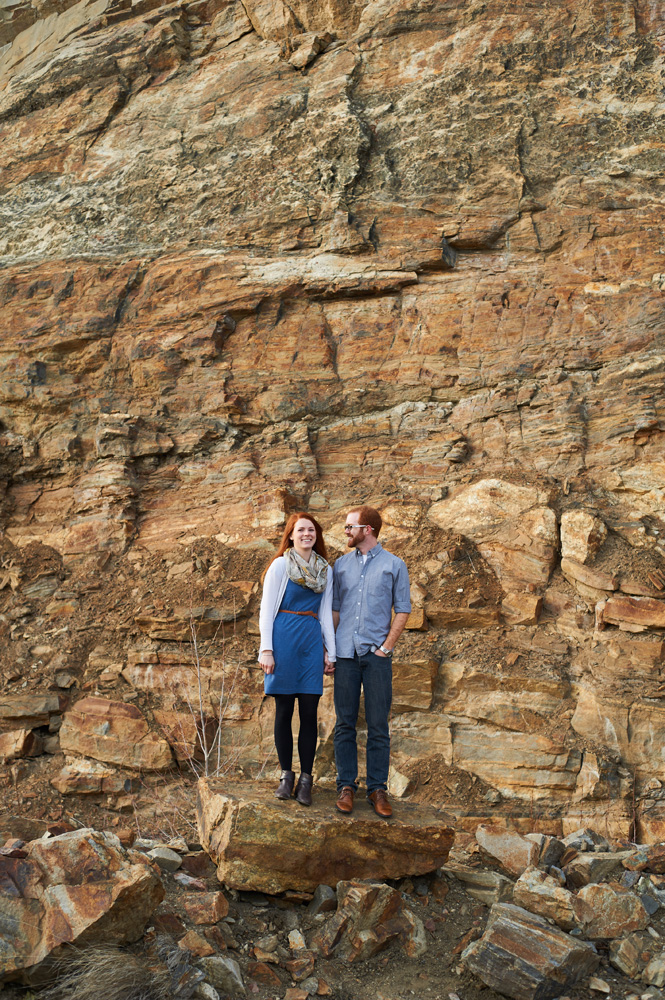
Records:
x=381, y=804
x=345, y=800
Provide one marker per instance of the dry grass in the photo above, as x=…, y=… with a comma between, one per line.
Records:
x=107, y=973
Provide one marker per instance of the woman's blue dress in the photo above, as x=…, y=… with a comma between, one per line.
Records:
x=297, y=645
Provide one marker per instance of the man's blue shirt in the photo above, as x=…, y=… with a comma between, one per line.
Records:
x=366, y=594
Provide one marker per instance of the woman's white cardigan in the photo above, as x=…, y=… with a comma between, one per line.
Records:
x=274, y=587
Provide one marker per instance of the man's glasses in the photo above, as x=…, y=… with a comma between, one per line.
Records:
x=350, y=527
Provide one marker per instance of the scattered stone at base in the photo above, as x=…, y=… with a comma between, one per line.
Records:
x=369, y=916
x=263, y=974
x=550, y=849
x=654, y=974
x=296, y=940
x=196, y=945
x=603, y=911
x=522, y=956
x=206, y=907
x=168, y=860
x=512, y=851
x=485, y=886
x=301, y=966
x=586, y=840
x=596, y=867
x=204, y=991
x=296, y=993
x=646, y=858
x=323, y=901
x=632, y=954
x=224, y=974
x=539, y=893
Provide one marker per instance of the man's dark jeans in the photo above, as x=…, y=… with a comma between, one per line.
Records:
x=374, y=674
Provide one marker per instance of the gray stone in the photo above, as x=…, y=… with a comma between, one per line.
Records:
x=586, y=840
x=551, y=849
x=487, y=887
x=324, y=900
x=593, y=867
x=167, y=859
x=224, y=974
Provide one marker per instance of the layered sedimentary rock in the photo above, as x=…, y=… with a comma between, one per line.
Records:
x=257, y=845
x=262, y=256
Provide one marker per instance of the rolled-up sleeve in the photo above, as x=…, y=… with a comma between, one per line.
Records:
x=401, y=590
x=336, y=602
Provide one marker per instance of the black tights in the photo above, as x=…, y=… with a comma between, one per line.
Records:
x=307, y=709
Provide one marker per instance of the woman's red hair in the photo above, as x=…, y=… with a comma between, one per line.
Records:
x=286, y=542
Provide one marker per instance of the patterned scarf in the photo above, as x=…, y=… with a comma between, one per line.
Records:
x=312, y=575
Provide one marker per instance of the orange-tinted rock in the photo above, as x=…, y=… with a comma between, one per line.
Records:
x=582, y=535
x=646, y=612
x=79, y=888
x=512, y=526
x=369, y=916
x=263, y=974
x=521, y=609
x=513, y=852
x=19, y=743
x=300, y=966
x=27, y=711
x=115, y=733
x=88, y=777
x=539, y=893
x=206, y=907
x=609, y=911
x=238, y=820
x=197, y=945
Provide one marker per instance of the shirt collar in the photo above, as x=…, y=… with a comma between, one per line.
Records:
x=374, y=551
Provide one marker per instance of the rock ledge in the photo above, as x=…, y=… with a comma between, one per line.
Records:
x=261, y=843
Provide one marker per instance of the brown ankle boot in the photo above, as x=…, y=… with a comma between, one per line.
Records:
x=285, y=790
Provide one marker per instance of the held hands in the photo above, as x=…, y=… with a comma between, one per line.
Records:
x=267, y=661
x=328, y=665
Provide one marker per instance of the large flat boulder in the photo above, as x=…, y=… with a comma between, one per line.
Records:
x=80, y=887
x=261, y=843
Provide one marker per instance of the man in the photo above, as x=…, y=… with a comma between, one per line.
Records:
x=369, y=583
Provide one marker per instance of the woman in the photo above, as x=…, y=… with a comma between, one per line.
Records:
x=296, y=623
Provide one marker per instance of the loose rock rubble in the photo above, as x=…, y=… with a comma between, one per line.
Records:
x=462, y=928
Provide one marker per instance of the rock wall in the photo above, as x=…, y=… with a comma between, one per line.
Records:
x=261, y=256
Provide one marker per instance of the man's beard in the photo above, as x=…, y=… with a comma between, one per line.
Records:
x=352, y=541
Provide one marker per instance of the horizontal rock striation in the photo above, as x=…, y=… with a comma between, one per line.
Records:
x=258, y=843
x=258, y=257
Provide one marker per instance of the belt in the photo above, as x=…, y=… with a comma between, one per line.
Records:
x=310, y=614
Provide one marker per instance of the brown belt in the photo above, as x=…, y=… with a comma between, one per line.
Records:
x=310, y=614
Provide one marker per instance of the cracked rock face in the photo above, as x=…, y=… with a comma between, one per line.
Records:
x=260, y=256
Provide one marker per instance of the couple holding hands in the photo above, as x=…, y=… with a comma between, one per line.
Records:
x=318, y=619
